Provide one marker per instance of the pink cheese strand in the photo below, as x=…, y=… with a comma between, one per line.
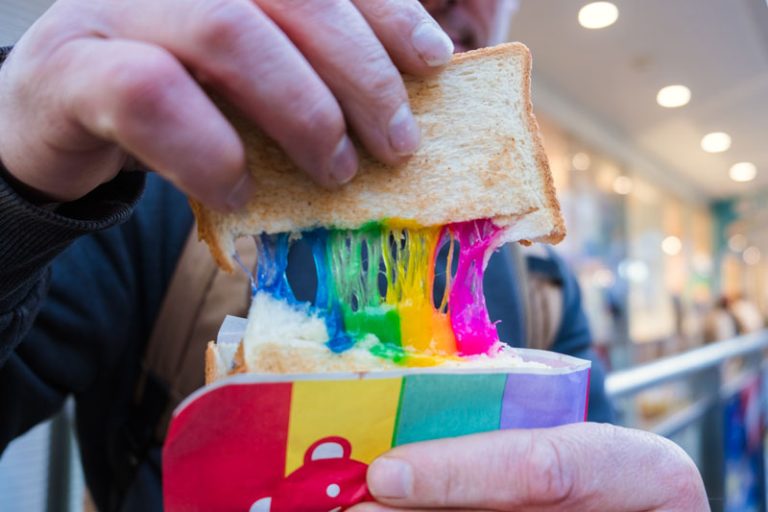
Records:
x=475, y=334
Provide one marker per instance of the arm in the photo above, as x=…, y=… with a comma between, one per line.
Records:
x=103, y=293
x=30, y=238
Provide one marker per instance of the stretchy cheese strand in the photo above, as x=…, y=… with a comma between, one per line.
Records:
x=475, y=334
x=378, y=281
x=326, y=297
x=409, y=255
x=272, y=257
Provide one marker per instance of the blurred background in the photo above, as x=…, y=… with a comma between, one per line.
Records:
x=655, y=120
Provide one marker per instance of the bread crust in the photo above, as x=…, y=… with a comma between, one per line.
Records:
x=206, y=231
x=481, y=156
x=211, y=363
x=558, y=232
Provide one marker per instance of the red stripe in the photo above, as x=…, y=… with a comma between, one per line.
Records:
x=227, y=448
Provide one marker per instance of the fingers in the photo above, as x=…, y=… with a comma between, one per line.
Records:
x=345, y=52
x=300, y=71
x=234, y=47
x=415, y=42
x=140, y=97
x=575, y=467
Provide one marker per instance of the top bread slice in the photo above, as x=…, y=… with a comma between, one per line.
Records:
x=480, y=157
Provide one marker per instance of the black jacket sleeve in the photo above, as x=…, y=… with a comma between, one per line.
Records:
x=31, y=236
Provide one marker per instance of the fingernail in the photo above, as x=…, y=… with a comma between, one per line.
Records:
x=432, y=44
x=404, y=135
x=343, y=164
x=241, y=193
x=390, y=478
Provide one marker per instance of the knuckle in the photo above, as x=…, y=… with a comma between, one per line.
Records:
x=376, y=9
x=320, y=117
x=311, y=6
x=453, y=486
x=219, y=24
x=142, y=86
x=548, y=481
x=381, y=82
x=397, y=12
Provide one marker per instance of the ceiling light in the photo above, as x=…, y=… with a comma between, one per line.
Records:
x=671, y=245
x=737, y=242
x=716, y=142
x=751, y=255
x=598, y=15
x=743, y=171
x=581, y=161
x=673, y=96
x=622, y=185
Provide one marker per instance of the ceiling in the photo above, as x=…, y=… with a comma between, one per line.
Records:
x=718, y=48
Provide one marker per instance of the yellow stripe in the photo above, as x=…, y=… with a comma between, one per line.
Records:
x=361, y=411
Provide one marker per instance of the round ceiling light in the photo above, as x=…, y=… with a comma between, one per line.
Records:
x=581, y=161
x=743, y=171
x=751, y=255
x=737, y=242
x=623, y=185
x=716, y=142
x=671, y=245
x=673, y=96
x=598, y=15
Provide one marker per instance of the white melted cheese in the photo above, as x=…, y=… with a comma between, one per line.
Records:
x=272, y=320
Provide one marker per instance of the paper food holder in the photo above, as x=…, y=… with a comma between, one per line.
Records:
x=299, y=443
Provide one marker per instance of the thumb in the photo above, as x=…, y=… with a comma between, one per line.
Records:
x=574, y=467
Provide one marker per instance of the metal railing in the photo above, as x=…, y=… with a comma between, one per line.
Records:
x=702, y=368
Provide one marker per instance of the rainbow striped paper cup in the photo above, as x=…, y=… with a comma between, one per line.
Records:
x=300, y=443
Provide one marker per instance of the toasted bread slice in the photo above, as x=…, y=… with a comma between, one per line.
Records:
x=481, y=157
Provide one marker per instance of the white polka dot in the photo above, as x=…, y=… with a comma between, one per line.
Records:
x=333, y=490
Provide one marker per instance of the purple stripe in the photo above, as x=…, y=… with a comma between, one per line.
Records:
x=535, y=401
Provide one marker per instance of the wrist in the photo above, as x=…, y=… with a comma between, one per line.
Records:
x=26, y=192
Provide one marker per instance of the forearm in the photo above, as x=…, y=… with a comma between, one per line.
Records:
x=31, y=236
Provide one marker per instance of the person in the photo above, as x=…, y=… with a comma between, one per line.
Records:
x=96, y=91
x=732, y=315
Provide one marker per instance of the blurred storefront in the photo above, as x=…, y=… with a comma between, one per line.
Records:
x=653, y=266
x=662, y=276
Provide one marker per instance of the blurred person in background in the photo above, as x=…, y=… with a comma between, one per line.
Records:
x=731, y=317
x=84, y=262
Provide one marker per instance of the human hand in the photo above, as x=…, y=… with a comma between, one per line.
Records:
x=580, y=467
x=94, y=81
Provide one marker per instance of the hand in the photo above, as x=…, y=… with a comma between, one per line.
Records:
x=578, y=467
x=94, y=81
